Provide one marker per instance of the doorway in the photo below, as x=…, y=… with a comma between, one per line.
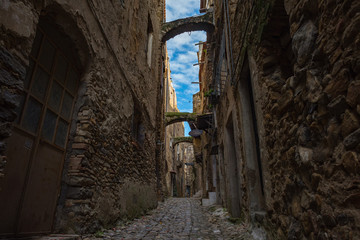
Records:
x=232, y=169
x=251, y=140
x=36, y=149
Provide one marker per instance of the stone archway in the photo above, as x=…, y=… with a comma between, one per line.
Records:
x=196, y=23
x=175, y=117
x=182, y=140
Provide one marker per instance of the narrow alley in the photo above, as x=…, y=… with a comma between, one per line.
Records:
x=179, y=218
x=180, y=119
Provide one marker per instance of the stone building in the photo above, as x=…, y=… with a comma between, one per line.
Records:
x=189, y=186
x=284, y=83
x=80, y=113
x=171, y=131
x=185, y=168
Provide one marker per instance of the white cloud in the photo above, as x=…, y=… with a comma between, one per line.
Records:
x=192, y=89
x=185, y=42
x=176, y=9
x=187, y=110
x=186, y=57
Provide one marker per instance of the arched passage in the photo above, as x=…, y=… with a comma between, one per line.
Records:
x=175, y=117
x=198, y=23
x=182, y=140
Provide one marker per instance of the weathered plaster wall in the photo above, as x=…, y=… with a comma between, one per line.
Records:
x=108, y=171
x=304, y=78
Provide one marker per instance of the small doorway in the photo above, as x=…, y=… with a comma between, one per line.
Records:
x=233, y=177
x=250, y=141
x=36, y=149
x=173, y=184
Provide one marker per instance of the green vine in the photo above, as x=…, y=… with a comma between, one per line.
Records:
x=208, y=93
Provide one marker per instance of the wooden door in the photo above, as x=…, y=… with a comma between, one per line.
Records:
x=36, y=150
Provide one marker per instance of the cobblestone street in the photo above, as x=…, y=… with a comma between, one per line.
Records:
x=179, y=218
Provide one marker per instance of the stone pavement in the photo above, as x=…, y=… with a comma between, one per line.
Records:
x=179, y=218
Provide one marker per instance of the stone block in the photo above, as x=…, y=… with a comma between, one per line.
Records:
x=351, y=31
x=349, y=124
x=338, y=85
x=80, y=139
x=338, y=153
x=353, y=199
x=306, y=154
x=12, y=63
x=342, y=219
x=352, y=140
x=75, y=163
x=79, y=181
x=353, y=96
x=9, y=80
x=296, y=207
x=304, y=41
x=269, y=62
x=350, y=162
x=304, y=135
x=314, y=87
x=78, y=193
x=309, y=222
x=82, y=146
x=306, y=199
x=328, y=216
x=338, y=105
x=285, y=101
x=295, y=231
x=23, y=19
x=290, y=5
x=10, y=99
x=315, y=180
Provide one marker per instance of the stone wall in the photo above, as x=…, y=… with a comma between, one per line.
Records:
x=302, y=59
x=109, y=172
x=16, y=40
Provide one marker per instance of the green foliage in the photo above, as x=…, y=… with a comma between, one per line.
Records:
x=212, y=209
x=208, y=93
x=99, y=234
x=180, y=139
x=178, y=114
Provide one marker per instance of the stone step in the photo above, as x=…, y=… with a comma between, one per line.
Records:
x=209, y=201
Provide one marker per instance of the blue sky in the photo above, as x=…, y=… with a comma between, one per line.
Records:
x=183, y=54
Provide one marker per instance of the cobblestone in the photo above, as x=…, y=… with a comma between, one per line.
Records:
x=179, y=218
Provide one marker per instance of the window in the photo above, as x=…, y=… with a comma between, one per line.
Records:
x=138, y=128
x=150, y=42
x=49, y=92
